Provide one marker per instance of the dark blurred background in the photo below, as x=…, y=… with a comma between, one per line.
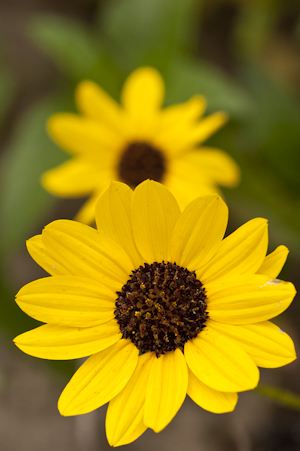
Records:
x=244, y=56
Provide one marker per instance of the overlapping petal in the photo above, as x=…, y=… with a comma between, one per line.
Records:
x=62, y=343
x=87, y=252
x=265, y=342
x=43, y=258
x=242, y=252
x=166, y=389
x=125, y=413
x=199, y=231
x=248, y=299
x=274, y=262
x=154, y=215
x=100, y=378
x=113, y=217
x=209, y=399
x=67, y=301
x=220, y=362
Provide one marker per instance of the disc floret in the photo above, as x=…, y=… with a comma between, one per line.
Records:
x=161, y=307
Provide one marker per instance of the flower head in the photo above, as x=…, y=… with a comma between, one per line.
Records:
x=160, y=304
x=135, y=141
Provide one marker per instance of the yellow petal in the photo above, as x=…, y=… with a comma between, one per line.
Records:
x=208, y=126
x=125, y=413
x=274, y=262
x=187, y=183
x=143, y=92
x=199, y=231
x=63, y=343
x=67, y=301
x=183, y=112
x=154, y=215
x=100, y=378
x=209, y=399
x=113, y=217
x=87, y=252
x=82, y=135
x=42, y=257
x=220, y=362
x=266, y=344
x=74, y=178
x=166, y=390
x=242, y=252
x=248, y=299
x=214, y=164
x=94, y=102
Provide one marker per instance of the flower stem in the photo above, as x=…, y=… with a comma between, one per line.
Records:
x=282, y=397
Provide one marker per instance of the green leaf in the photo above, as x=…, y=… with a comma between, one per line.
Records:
x=148, y=31
x=76, y=50
x=24, y=201
x=188, y=77
x=274, y=128
x=282, y=397
x=258, y=15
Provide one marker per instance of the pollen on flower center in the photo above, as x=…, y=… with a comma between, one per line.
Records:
x=161, y=307
x=140, y=161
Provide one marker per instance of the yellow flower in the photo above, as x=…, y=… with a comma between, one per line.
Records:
x=137, y=141
x=161, y=303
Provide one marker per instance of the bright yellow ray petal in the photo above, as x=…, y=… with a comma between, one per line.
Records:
x=268, y=346
x=63, y=343
x=86, y=252
x=199, y=231
x=166, y=389
x=94, y=102
x=143, y=92
x=183, y=112
x=100, y=378
x=113, y=217
x=154, y=215
x=82, y=135
x=67, y=301
x=274, y=262
x=186, y=184
x=76, y=177
x=207, y=127
x=216, y=165
x=43, y=258
x=242, y=252
x=209, y=399
x=125, y=413
x=248, y=299
x=220, y=362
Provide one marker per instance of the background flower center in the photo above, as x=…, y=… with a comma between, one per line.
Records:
x=141, y=161
x=161, y=307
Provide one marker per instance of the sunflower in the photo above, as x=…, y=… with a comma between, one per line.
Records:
x=161, y=305
x=136, y=141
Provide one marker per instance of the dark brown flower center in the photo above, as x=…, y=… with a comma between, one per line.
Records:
x=141, y=161
x=161, y=307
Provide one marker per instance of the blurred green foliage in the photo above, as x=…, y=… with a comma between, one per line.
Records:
x=263, y=135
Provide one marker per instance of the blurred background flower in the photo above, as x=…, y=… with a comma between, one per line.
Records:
x=243, y=56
